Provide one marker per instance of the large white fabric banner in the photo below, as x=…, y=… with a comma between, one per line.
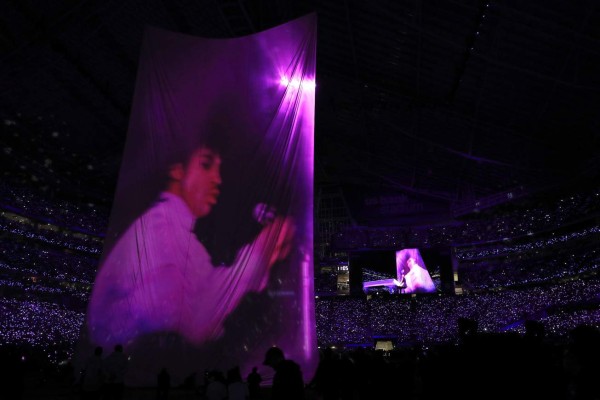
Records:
x=208, y=260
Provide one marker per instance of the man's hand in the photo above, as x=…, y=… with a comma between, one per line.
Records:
x=276, y=239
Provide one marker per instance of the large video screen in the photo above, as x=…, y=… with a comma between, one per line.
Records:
x=403, y=271
x=208, y=257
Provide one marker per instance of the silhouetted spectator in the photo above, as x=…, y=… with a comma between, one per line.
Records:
x=93, y=376
x=189, y=383
x=236, y=388
x=585, y=346
x=216, y=388
x=288, y=383
x=326, y=379
x=115, y=366
x=254, y=379
x=11, y=373
x=163, y=385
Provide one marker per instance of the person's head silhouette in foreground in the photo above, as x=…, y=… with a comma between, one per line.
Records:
x=288, y=382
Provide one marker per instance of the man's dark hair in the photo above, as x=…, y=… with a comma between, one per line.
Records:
x=139, y=187
x=214, y=134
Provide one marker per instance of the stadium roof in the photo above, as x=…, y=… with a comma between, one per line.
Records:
x=445, y=100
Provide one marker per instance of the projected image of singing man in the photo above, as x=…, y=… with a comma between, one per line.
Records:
x=412, y=273
x=159, y=278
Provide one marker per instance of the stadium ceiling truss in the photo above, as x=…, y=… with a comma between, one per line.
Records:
x=451, y=100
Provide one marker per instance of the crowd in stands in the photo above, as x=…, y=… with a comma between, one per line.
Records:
x=326, y=281
x=522, y=365
x=516, y=263
x=496, y=224
x=350, y=320
x=30, y=267
x=340, y=320
x=27, y=203
x=432, y=318
x=533, y=263
x=336, y=322
x=50, y=235
x=40, y=326
x=36, y=156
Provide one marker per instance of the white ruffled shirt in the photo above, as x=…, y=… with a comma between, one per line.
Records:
x=160, y=278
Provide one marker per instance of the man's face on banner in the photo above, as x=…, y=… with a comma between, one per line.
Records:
x=199, y=180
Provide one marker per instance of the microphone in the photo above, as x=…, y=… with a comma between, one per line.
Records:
x=264, y=213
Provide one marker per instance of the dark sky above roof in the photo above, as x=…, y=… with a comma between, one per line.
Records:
x=444, y=100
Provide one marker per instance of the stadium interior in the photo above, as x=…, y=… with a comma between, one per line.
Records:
x=467, y=128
